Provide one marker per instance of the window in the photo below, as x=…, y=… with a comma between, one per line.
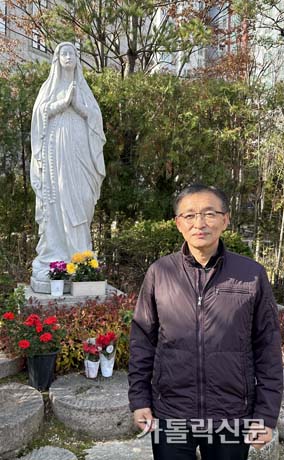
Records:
x=3, y=20
x=38, y=41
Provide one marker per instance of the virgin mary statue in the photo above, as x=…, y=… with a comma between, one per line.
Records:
x=67, y=165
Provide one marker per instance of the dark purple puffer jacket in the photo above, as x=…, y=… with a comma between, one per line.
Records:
x=214, y=354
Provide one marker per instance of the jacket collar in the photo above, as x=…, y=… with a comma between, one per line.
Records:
x=190, y=260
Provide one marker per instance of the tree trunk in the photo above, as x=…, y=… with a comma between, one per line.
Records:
x=25, y=187
x=132, y=46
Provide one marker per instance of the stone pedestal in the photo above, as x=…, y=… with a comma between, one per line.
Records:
x=44, y=299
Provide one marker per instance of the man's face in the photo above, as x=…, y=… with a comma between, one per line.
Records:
x=203, y=231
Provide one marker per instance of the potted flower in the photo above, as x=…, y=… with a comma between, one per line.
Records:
x=106, y=343
x=39, y=339
x=87, y=275
x=92, y=358
x=57, y=274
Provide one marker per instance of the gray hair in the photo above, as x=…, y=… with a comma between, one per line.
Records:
x=200, y=188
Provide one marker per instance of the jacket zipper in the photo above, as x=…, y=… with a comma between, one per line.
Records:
x=200, y=339
x=201, y=363
x=200, y=356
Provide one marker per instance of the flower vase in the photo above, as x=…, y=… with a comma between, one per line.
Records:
x=91, y=368
x=56, y=287
x=41, y=370
x=107, y=364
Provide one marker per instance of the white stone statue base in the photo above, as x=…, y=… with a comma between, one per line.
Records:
x=33, y=298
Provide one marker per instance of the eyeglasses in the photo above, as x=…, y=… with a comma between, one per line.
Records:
x=208, y=216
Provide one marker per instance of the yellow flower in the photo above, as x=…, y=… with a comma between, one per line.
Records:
x=77, y=258
x=71, y=268
x=94, y=263
x=88, y=254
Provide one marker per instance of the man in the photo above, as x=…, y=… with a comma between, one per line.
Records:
x=205, y=343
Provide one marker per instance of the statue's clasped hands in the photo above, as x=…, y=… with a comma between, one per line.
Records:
x=71, y=98
x=71, y=93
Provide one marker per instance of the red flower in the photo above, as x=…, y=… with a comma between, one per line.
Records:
x=103, y=341
x=32, y=320
x=9, y=315
x=110, y=337
x=55, y=327
x=86, y=347
x=100, y=341
x=24, y=344
x=46, y=337
x=50, y=320
x=90, y=348
x=93, y=350
x=39, y=327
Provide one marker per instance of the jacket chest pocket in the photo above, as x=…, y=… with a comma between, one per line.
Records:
x=232, y=296
x=219, y=290
x=233, y=308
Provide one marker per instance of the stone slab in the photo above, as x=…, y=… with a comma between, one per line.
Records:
x=33, y=298
x=49, y=453
x=10, y=366
x=98, y=408
x=134, y=449
x=21, y=415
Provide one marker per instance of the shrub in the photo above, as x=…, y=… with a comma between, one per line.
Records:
x=88, y=320
x=80, y=323
x=234, y=243
x=133, y=250
x=91, y=319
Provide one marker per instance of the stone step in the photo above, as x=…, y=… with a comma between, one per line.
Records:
x=137, y=449
x=98, y=408
x=21, y=415
x=49, y=453
x=10, y=366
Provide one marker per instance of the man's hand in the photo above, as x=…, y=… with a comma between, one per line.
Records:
x=258, y=435
x=144, y=419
